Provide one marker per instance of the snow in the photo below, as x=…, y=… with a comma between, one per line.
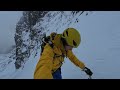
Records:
x=99, y=48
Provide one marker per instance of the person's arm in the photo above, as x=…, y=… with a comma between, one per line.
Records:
x=44, y=66
x=74, y=59
x=78, y=63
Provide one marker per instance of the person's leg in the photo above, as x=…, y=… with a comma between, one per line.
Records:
x=57, y=74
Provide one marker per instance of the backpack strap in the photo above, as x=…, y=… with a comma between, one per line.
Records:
x=50, y=41
x=52, y=35
x=47, y=39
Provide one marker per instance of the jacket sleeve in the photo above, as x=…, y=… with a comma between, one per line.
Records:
x=44, y=66
x=74, y=59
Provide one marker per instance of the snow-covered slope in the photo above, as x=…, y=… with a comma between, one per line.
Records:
x=99, y=48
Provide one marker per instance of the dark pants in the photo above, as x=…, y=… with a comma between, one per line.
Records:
x=57, y=74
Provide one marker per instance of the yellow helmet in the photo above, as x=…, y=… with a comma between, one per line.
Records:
x=72, y=37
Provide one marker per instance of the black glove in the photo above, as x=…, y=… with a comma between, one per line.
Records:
x=88, y=71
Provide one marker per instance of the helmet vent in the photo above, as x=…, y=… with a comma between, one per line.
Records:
x=74, y=43
x=67, y=33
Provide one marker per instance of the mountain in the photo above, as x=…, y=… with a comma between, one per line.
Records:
x=32, y=25
x=29, y=31
x=99, y=48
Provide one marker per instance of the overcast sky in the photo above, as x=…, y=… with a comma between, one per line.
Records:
x=8, y=20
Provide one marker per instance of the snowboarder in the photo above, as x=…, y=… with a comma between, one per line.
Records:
x=52, y=57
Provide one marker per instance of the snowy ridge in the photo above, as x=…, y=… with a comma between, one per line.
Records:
x=99, y=48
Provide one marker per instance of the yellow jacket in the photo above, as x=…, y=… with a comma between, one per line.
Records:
x=52, y=58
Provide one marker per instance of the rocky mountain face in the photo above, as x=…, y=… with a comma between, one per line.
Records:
x=32, y=25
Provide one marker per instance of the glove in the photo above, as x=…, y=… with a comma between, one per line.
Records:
x=88, y=71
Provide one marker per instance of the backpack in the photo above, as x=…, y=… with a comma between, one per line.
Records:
x=47, y=39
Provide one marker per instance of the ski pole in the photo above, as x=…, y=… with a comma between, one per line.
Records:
x=90, y=77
